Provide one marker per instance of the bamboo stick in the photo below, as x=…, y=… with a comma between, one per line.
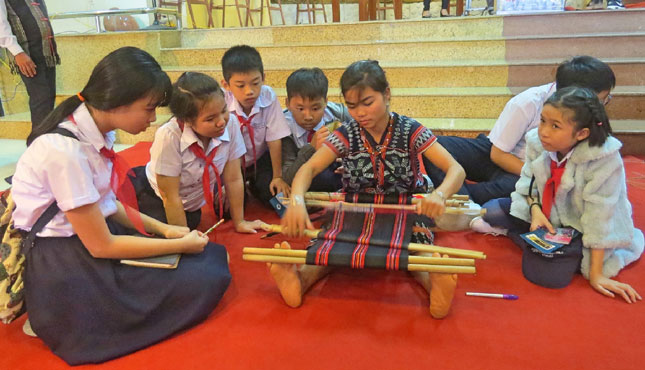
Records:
x=319, y=195
x=273, y=259
x=443, y=269
x=430, y=248
x=424, y=260
x=364, y=207
x=414, y=247
x=411, y=267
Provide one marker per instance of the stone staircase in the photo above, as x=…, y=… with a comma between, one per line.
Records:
x=454, y=75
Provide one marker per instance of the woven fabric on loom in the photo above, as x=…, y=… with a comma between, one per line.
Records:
x=401, y=198
x=364, y=240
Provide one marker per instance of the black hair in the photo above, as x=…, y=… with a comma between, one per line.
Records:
x=362, y=74
x=189, y=94
x=120, y=78
x=308, y=83
x=585, y=71
x=241, y=59
x=588, y=111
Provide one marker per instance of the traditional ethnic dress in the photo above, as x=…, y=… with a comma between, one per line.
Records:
x=390, y=166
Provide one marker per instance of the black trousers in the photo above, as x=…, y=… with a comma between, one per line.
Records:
x=42, y=92
x=474, y=156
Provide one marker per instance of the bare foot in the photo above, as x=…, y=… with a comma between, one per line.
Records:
x=441, y=293
x=287, y=279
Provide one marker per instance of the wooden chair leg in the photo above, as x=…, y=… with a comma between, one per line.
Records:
x=248, y=14
x=239, y=16
x=398, y=9
x=192, y=16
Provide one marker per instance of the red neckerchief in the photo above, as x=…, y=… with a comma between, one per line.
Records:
x=246, y=122
x=310, y=135
x=206, y=178
x=551, y=187
x=122, y=185
x=378, y=167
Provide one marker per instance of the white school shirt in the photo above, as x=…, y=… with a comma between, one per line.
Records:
x=7, y=38
x=554, y=157
x=268, y=123
x=299, y=134
x=170, y=155
x=72, y=172
x=520, y=115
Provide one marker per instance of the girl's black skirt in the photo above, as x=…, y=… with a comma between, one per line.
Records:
x=90, y=310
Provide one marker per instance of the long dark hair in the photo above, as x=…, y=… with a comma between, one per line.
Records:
x=120, y=78
x=588, y=111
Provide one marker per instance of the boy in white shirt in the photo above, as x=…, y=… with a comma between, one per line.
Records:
x=494, y=162
x=261, y=120
x=311, y=118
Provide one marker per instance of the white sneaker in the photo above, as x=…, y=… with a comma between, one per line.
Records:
x=26, y=328
x=615, y=4
x=479, y=225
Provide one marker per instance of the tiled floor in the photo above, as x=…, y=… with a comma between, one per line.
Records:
x=11, y=150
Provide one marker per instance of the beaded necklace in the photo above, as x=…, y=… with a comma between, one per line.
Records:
x=378, y=152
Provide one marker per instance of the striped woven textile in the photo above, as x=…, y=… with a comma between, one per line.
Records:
x=401, y=198
x=364, y=240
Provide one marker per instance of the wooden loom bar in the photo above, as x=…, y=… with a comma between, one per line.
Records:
x=319, y=195
x=422, y=260
x=414, y=247
x=411, y=267
x=362, y=207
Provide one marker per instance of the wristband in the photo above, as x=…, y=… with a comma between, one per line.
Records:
x=297, y=200
x=535, y=204
x=440, y=194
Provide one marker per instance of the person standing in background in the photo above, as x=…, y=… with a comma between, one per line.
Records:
x=27, y=36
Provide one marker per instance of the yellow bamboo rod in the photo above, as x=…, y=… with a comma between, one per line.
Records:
x=364, y=207
x=411, y=267
x=430, y=248
x=411, y=259
x=443, y=269
x=414, y=247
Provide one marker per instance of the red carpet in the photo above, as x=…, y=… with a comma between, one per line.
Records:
x=379, y=320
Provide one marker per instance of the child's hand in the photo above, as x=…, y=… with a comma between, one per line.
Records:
x=195, y=242
x=539, y=220
x=278, y=185
x=174, y=231
x=432, y=205
x=296, y=218
x=249, y=227
x=608, y=287
x=319, y=137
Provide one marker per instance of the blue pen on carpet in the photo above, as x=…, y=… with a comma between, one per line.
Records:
x=511, y=297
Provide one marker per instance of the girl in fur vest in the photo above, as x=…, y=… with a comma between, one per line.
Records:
x=573, y=177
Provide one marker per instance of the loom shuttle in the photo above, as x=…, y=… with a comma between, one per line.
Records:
x=510, y=297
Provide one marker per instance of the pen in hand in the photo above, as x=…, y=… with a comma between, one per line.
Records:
x=214, y=226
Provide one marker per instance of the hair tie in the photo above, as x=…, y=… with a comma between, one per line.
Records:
x=80, y=97
x=599, y=123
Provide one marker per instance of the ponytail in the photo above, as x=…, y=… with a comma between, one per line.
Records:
x=58, y=115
